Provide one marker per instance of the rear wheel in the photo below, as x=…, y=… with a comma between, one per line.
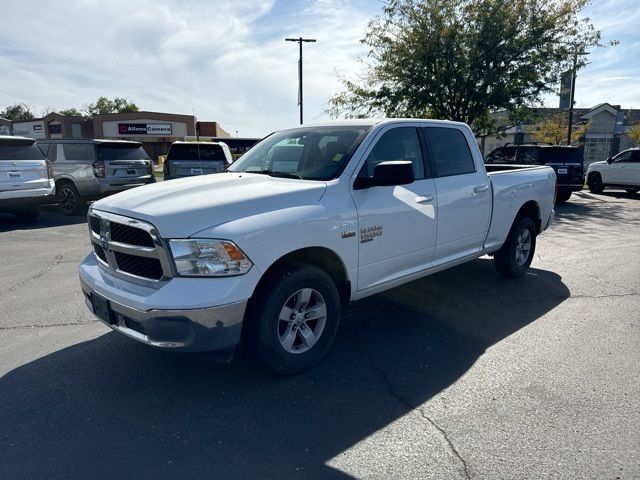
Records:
x=563, y=195
x=632, y=190
x=515, y=256
x=293, y=319
x=28, y=214
x=69, y=199
x=595, y=183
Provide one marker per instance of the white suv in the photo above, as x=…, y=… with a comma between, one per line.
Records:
x=621, y=171
x=26, y=177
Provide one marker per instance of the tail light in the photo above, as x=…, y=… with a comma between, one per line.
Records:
x=98, y=168
x=49, y=169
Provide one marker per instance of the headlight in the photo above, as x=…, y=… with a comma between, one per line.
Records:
x=208, y=258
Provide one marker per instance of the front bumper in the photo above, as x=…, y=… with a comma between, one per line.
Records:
x=215, y=328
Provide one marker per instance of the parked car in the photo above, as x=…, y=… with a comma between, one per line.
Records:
x=566, y=161
x=26, y=177
x=186, y=159
x=88, y=169
x=621, y=171
x=271, y=255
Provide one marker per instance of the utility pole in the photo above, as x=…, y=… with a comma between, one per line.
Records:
x=571, y=96
x=300, y=40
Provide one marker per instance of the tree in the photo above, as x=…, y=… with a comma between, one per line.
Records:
x=553, y=129
x=17, y=112
x=634, y=133
x=461, y=59
x=71, y=112
x=104, y=105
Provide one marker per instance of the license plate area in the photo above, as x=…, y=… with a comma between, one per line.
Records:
x=196, y=171
x=102, y=309
x=562, y=171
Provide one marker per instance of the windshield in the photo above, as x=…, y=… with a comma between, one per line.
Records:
x=206, y=152
x=313, y=153
x=20, y=152
x=122, y=152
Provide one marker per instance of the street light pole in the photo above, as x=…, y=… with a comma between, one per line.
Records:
x=571, y=96
x=300, y=40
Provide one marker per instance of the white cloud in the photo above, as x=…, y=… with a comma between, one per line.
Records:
x=225, y=59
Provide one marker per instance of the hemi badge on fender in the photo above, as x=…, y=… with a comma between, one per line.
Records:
x=348, y=233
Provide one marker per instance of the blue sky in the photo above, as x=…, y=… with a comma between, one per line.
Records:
x=227, y=59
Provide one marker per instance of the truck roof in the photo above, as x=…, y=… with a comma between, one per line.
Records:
x=375, y=121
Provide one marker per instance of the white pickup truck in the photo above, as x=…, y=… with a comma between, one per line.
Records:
x=307, y=220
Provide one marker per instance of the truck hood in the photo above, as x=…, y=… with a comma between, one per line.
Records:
x=180, y=208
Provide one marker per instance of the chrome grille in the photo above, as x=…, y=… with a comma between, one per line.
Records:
x=128, y=246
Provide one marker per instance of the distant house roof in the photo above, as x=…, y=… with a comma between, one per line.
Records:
x=631, y=116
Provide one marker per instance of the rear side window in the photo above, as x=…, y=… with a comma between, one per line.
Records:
x=122, y=152
x=195, y=152
x=450, y=151
x=82, y=152
x=561, y=155
x=20, y=152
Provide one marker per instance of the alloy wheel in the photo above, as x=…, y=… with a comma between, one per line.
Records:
x=302, y=320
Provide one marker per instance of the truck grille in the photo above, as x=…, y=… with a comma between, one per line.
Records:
x=128, y=246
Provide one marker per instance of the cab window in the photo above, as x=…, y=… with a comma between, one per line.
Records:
x=401, y=143
x=450, y=151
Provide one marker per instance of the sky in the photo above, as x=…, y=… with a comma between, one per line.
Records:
x=227, y=60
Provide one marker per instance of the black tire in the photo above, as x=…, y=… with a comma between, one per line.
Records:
x=595, y=183
x=632, y=190
x=563, y=195
x=508, y=260
x=263, y=328
x=69, y=200
x=28, y=214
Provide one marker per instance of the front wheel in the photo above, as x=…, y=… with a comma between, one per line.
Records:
x=515, y=256
x=595, y=183
x=292, y=321
x=632, y=190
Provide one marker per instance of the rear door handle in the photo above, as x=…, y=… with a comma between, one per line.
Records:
x=481, y=188
x=424, y=199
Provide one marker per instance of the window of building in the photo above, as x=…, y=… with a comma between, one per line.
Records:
x=596, y=149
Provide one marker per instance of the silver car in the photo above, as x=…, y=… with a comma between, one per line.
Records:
x=90, y=169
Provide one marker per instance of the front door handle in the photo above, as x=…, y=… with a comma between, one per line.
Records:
x=481, y=188
x=424, y=199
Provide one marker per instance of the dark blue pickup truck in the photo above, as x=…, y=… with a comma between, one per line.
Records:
x=567, y=162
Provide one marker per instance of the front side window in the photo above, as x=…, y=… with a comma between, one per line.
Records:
x=624, y=157
x=309, y=153
x=450, y=150
x=79, y=152
x=400, y=143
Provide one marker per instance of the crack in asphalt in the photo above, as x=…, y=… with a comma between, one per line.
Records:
x=56, y=261
x=408, y=405
x=20, y=327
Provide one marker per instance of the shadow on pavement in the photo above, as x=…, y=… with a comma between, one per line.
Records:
x=112, y=408
x=605, y=212
x=50, y=216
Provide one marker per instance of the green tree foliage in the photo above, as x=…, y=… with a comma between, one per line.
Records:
x=461, y=59
x=17, y=112
x=71, y=112
x=117, y=105
x=554, y=129
x=634, y=133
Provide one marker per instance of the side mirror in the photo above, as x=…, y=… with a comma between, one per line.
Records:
x=609, y=160
x=397, y=172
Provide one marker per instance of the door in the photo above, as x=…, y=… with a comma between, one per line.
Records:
x=75, y=159
x=615, y=172
x=633, y=170
x=463, y=193
x=397, y=224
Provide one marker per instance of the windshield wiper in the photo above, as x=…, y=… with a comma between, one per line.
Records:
x=271, y=173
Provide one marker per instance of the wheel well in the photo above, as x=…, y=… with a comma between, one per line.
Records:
x=593, y=174
x=531, y=210
x=321, y=258
x=63, y=181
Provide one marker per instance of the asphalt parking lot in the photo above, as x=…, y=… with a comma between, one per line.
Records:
x=460, y=375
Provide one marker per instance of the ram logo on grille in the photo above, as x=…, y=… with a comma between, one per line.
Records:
x=128, y=249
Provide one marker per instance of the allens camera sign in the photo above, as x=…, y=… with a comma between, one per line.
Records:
x=144, y=128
